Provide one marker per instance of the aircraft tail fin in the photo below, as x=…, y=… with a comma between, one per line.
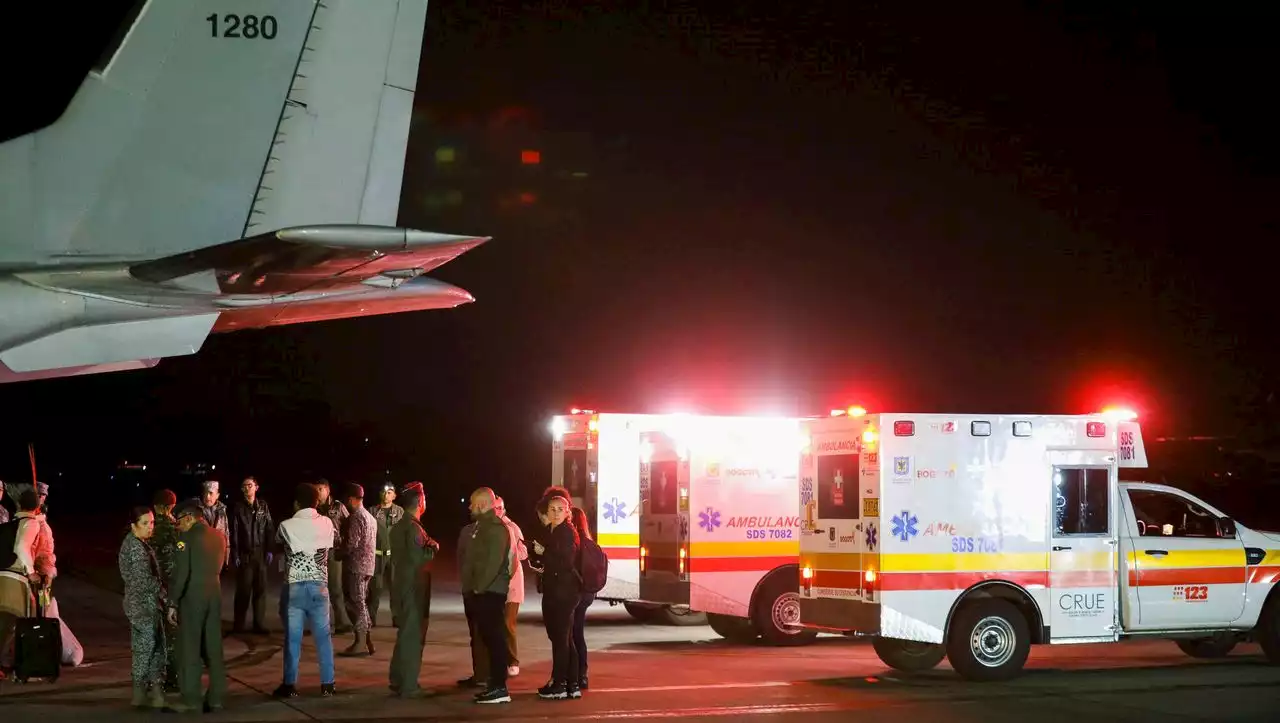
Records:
x=210, y=120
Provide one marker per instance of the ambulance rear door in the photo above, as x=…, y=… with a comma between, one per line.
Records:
x=617, y=509
x=573, y=455
x=664, y=522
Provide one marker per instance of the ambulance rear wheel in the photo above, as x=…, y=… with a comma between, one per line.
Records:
x=1218, y=646
x=1268, y=631
x=732, y=628
x=678, y=615
x=777, y=614
x=989, y=640
x=908, y=655
x=643, y=613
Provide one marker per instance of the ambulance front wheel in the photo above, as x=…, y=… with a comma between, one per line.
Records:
x=1218, y=646
x=989, y=640
x=909, y=656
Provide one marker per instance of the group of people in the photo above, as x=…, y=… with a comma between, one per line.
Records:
x=172, y=557
x=28, y=568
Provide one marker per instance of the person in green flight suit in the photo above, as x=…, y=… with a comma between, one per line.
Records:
x=195, y=604
x=165, y=543
x=412, y=551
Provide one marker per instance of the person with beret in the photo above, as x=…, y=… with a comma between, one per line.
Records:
x=358, y=542
x=412, y=551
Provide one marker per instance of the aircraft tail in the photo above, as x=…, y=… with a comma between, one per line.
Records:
x=211, y=120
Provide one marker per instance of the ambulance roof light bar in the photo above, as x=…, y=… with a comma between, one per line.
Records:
x=854, y=411
x=579, y=410
x=1119, y=414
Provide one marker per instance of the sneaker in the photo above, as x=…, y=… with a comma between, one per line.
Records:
x=553, y=691
x=327, y=690
x=582, y=681
x=574, y=692
x=513, y=671
x=494, y=695
x=285, y=691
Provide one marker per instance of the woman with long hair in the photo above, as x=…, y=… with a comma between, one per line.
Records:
x=579, y=518
x=144, y=605
x=561, y=590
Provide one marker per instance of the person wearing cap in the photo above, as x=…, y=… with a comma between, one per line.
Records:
x=337, y=514
x=359, y=541
x=165, y=543
x=46, y=561
x=252, y=531
x=387, y=514
x=412, y=551
x=195, y=605
x=213, y=510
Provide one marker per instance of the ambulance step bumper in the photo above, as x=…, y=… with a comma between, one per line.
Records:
x=842, y=615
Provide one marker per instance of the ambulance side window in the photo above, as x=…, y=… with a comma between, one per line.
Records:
x=1160, y=514
x=1081, y=501
x=838, y=487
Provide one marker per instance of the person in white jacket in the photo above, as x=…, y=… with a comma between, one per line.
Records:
x=515, y=594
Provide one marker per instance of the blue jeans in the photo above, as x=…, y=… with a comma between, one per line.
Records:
x=307, y=601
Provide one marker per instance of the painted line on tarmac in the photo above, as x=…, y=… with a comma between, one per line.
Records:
x=715, y=711
x=711, y=686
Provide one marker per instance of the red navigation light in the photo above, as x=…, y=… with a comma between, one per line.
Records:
x=530, y=158
x=1096, y=429
x=904, y=429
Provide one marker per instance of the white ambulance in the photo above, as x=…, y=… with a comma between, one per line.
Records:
x=594, y=457
x=974, y=536
x=720, y=529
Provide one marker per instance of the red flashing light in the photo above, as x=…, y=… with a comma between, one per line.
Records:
x=527, y=198
x=904, y=429
x=530, y=158
x=1096, y=429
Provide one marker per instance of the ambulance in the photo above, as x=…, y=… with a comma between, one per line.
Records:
x=593, y=455
x=720, y=529
x=972, y=537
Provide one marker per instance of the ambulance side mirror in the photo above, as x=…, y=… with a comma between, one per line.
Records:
x=1226, y=528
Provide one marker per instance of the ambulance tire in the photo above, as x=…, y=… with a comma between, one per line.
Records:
x=989, y=640
x=1268, y=630
x=776, y=603
x=639, y=611
x=733, y=628
x=1218, y=646
x=908, y=656
x=678, y=615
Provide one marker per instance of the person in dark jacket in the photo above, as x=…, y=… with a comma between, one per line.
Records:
x=412, y=551
x=561, y=593
x=252, y=531
x=486, y=577
x=578, y=517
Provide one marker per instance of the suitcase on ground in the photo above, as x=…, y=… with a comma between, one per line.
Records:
x=37, y=648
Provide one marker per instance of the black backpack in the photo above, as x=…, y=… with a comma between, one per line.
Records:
x=593, y=566
x=8, y=536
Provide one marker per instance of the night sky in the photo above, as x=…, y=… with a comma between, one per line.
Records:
x=1002, y=207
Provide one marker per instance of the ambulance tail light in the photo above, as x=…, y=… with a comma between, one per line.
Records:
x=869, y=436
x=684, y=561
x=1096, y=429
x=644, y=559
x=869, y=580
x=806, y=580
x=593, y=425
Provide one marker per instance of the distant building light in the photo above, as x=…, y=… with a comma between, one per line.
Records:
x=528, y=198
x=579, y=174
x=530, y=158
x=445, y=154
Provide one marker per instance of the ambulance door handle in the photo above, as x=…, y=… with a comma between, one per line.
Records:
x=1060, y=548
x=1156, y=553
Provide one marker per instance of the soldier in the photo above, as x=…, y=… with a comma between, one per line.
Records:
x=252, y=532
x=388, y=514
x=195, y=604
x=165, y=542
x=360, y=540
x=337, y=514
x=411, y=552
x=213, y=510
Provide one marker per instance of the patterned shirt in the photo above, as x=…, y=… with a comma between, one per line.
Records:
x=307, y=538
x=337, y=513
x=387, y=518
x=360, y=540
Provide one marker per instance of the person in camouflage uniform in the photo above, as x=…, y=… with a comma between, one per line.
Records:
x=214, y=510
x=337, y=514
x=164, y=541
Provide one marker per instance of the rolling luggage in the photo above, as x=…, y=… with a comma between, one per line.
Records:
x=37, y=647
